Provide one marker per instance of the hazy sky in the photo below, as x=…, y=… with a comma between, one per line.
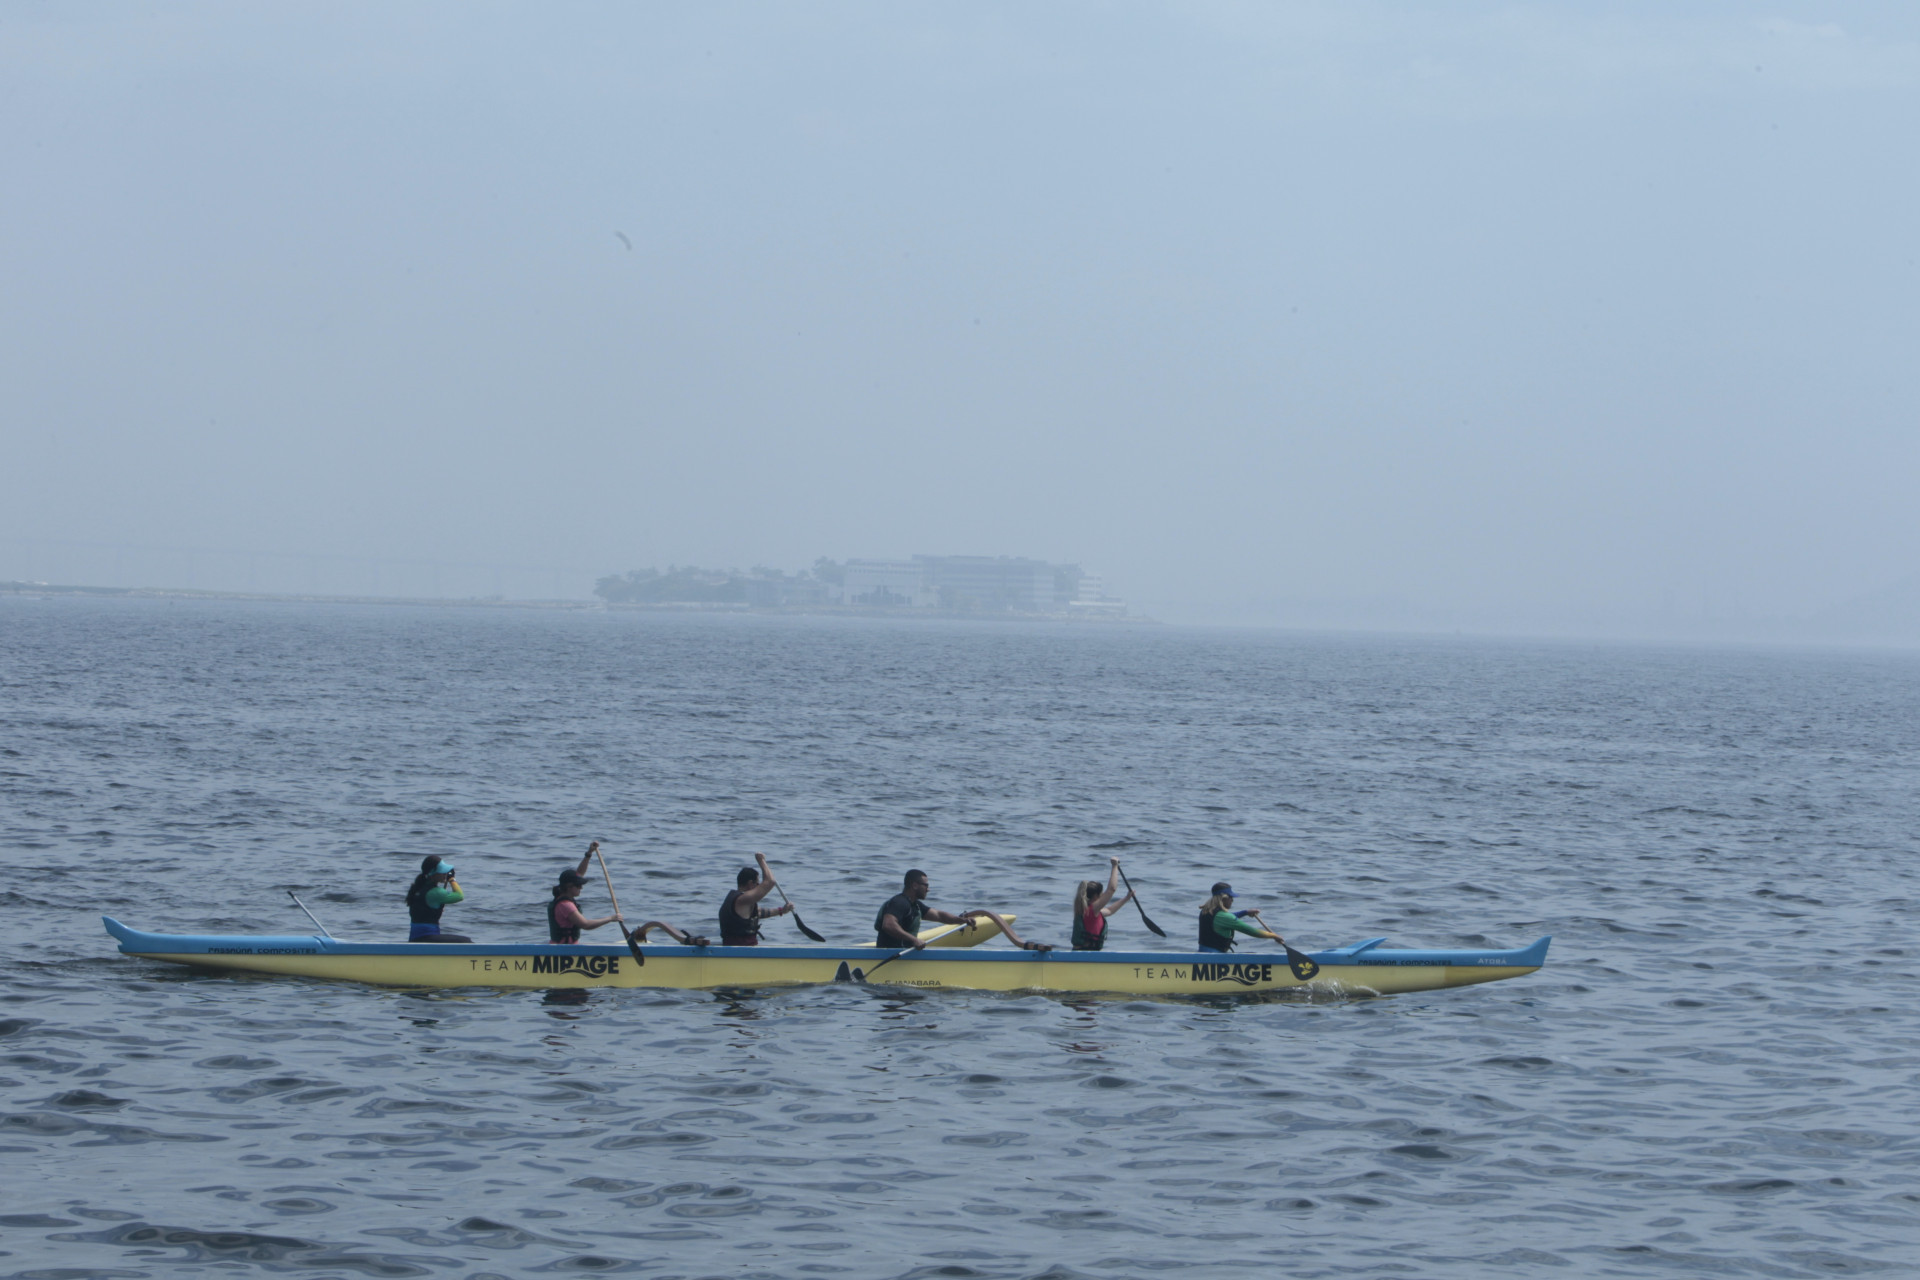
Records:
x=1505, y=315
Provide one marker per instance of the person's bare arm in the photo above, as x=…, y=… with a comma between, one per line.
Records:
x=1117, y=903
x=750, y=896
x=586, y=859
x=1113, y=883
x=595, y=924
x=892, y=928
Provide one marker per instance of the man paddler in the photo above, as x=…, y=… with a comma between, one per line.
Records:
x=741, y=912
x=898, y=924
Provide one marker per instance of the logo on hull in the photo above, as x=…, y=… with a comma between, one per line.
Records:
x=586, y=966
x=1246, y=975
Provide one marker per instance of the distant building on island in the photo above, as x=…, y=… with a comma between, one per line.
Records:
x=1000, y=586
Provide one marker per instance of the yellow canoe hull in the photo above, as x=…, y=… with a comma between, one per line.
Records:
x=1369, y=972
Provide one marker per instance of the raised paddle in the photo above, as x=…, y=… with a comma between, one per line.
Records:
x=796, y=914
x=1151, y=926
x=632, y=946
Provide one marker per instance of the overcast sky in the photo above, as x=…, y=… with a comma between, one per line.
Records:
x=1568, y=315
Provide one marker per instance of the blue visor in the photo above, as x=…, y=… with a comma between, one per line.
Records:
x=444, y=869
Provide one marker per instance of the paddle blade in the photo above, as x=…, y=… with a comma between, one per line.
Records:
x=1149, y=923
x=632, y=946
x=803, y=928
x=1302, y=967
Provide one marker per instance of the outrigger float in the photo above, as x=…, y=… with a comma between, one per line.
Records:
x=1363, y=968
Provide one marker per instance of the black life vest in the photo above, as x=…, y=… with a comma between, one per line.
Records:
x=554, y=932
x=1083, y=940
x=735, y=932
x=417, y=909
x=1209, y=940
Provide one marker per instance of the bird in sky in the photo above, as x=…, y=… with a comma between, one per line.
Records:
x=623, y=240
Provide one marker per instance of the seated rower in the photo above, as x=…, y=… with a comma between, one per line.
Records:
x=564, y=917
x=1093, y=906
x=432, y=892
x=1219, y=922
x=898, y=924
x=741, y=912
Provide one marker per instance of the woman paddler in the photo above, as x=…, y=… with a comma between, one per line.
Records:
x=1093, y=906
x=1219, y=922
x=565, y=920
x=433, y=891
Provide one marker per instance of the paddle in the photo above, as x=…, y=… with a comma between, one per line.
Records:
x=1151, y=926
x=889, y=960
x=796, y=914
x=1302, y=965
x=1303, y=968
x=632, y=946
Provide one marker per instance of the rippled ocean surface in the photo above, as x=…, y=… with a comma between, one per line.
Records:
x=1717, y=1073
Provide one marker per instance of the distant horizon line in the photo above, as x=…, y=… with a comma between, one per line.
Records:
x=1637, y=637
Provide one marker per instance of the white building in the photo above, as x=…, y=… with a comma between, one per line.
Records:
x=888, y=582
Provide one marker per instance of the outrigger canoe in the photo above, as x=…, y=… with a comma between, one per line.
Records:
x=1363, y=968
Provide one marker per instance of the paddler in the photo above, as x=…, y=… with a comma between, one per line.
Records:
x=1093, y=906
x=741, y=912
x=565, y=920
x=898, y=924
x=432, y=891
x=1219, y=922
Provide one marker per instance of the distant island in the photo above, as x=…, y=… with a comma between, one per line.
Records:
x=970, y=586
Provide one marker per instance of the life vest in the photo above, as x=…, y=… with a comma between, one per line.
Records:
x=1085, y=939
x=1209, y=940
x=735, y=932
x=555, y=933
x=417, y=909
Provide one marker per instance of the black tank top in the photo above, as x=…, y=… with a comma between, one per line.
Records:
x=735, y=932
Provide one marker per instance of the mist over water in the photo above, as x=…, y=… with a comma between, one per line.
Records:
x=1714, y=1073
x=1585, y=318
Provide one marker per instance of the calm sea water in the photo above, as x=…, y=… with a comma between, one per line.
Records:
x=1717, y=1073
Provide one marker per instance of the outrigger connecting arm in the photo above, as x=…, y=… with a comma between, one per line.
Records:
x=1007, y=929
x=684, y=939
